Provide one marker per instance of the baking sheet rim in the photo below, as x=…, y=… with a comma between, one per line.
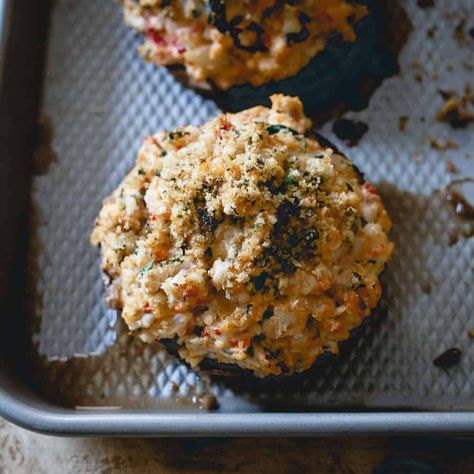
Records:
x=69, y=422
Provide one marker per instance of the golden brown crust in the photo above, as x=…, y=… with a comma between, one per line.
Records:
x=237, y=42
x=246, y=241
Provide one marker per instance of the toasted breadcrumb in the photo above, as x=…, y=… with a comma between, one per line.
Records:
x=236, y=42
x=246, y=241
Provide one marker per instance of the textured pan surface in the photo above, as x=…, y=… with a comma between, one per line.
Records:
x=101, y=99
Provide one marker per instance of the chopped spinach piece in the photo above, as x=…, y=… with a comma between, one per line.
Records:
x=206, y=220
x=272, y=129
x=268, y=313
x=260, y=281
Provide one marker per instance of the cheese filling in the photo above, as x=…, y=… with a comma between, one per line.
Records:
x=235, y=42
x=246, y=241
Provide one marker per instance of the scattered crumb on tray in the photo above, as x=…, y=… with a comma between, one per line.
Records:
x=208, y=402
x=448, y=359
x=402, y=122
x=443, y=146
x=457, y=109
x=431, y=31
x=451, y=167
x=427, y=288
x=460, y=34
x=416, y=64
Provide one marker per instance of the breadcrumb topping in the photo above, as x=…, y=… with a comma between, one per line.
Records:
x=235, y=42
x=246, y=241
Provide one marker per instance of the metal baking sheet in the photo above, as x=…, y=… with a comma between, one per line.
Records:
x=99, y=101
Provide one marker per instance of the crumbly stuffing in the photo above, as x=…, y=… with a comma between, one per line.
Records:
x=246, y=241
x=457, y=109
x=234, y=42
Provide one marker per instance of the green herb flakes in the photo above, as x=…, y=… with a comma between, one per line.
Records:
x=147, y=268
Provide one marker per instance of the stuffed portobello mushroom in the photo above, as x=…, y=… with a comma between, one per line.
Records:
x=245, y=242
x=244, y=51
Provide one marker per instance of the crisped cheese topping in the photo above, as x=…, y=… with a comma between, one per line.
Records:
x=246, y=241
x=235, y=42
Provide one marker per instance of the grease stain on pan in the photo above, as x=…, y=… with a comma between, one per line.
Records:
x=101, y=381
x=44, y=155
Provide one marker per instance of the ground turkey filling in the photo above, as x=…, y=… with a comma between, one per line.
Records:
x=246, y=241
x=235, y=42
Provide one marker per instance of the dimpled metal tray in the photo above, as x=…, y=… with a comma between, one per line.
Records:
x=80, y=373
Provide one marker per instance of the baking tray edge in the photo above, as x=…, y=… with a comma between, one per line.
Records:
x=71, y=423
x=23, y=410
